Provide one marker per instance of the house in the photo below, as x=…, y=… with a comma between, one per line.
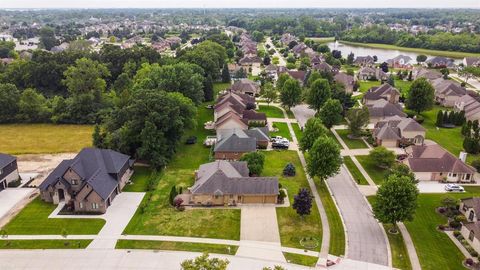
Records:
x=372, y=74
x=8, y=170
x=426, y=73
x=299, y=75
x=249, y=61
x=439, y=62
x=232, y=101
x=322, y=67
x=271, y=71
x=316, y=59
x=60, y=48
x=90, y=181
x=287, y=38
x=471, y=61
x=400, y=61
x=228, y=183
x=230, y=120
x=246, y=86
x=231, y=144
x=364, y=61
x=346, y=80
x=433, y=163
x=395, y=131
x=470, y=106
x=299, y=49
x=471, y=227
x=385, y=91
x=448, y=92
x=381, y=109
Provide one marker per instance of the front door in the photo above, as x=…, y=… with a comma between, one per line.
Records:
x=3, y=184
x=61, y=195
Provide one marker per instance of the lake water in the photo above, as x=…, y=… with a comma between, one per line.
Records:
x=382, y=54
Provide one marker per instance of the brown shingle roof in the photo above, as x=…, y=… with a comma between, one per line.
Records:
x=433, y=158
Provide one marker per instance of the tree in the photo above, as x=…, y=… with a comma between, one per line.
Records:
x=358, y=119
x=33, y=107
x=318, y=94
x=172, y=195
x=421, y=58
x=350, y=58
x=225, y=74
x=255, y=161
x=9, y=97
x=208, y=90
x=291, y=93
x=209, y=55
x=396, y=200
x=289, y=170
x=324, y=158
x=382, y=157
x=203, y=262
x=269, y=92
x=302, y=202
x=384, y=67
x=258, y=36
x=401, y=169
x=282, y=78
x=439, y=122
x=313, y=129
x=97, y=137
x=47, y=38
x=421, y=96
x=331, y=112
x=267, y=60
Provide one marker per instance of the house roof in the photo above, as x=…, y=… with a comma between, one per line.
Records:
x=448, y=88
x=440, y=60
x=253, y=115
x=96, y=167
x=250, y=59
x=381, y=92
x=322, y=66
x=383, y=108
x=473, y=226
x=473, y=202
x=260, y=133
x=225, y=177
x=245, y=86
x=433, y=158
x=392, y=127
x=427, y=73
x=235, y=140
x=231, y=115
x=472, y=61
x=364, y=59
x=6, y=160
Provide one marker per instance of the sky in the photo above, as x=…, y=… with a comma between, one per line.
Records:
x=240, y=3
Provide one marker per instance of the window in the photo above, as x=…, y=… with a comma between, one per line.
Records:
x=471, y=236
x=470, y=215
x=74, y=182
x=94, y=205
x=80, y=205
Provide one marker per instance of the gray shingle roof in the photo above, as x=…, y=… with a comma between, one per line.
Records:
x=6, y=160
x=433, y=158
x=235, y=140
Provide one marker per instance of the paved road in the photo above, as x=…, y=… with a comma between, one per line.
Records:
x=281, y=60
x=366, y=239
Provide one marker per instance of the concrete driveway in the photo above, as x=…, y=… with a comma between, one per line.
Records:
x=302, y=114
x=366, y=239
x=259, y=223
x=11, y=197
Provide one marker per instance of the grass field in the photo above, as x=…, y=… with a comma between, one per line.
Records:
x=271, y=111
x=282, y=130
x=351, y=143
x=292, y=227
x=20, y=139
x=365, y=85
x=357, y=175
x=44, y=244
x=414, y=50
x=298, y=132
x=377, y=174
x=322, y=39
x=33, y=219
x=183, y=246
x=139, y=180
x=160, y=218
x=306, y=260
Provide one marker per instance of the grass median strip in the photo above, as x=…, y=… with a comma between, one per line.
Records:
x=351, y=143
x=271, y=111
x=44, y=244
x=282, y=130
x=300, y=259
x=357, y=175
x=377, y=174
x=181, y=246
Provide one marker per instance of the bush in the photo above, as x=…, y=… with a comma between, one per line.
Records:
x=460, y=237
x=456, y=233
x=454, y=224
x=281, y=196
x=460, y=218
x=476, y=164
x=419, y=119
x=474, y=253
x=441, y=210
x=410, y=113
x=289, y=170
x=382, y=157
x=441, y=227
x=255, y=161
x=469, y=261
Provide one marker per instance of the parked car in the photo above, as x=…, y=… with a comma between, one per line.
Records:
x=454, y=188
x=273, y=139
x=279, y=145
x=191, y=140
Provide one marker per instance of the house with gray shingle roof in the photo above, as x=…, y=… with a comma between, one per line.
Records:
x=8, y=170
x=447, y=92
x=385, y=91
x=90, y=181
x=395, y=131
x=228, y=183
x=470, y=208
x=470, y=105
x=233, y=143
x=381, y=109
x=246, y=86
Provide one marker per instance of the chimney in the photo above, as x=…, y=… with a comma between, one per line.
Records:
x=463, y=156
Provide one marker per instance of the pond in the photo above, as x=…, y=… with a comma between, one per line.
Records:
x=382, y=54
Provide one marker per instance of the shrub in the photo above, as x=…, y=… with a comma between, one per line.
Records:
x=460, y=237
x=419, y=119
x=382, y=157
x=441, y=210
x=454, y=224
x=177, y=202
x=476, y=164
x=469, y=261
x=255, y=161
x=474, y=253
x=460, y=218
x=281, y=195
x=441, y=227
x=289, y=170
x=456, y=233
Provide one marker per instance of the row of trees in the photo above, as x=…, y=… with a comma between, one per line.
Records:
x=446, y=118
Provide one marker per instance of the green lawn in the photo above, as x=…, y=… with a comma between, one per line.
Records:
x=217, y=87
x=365, y=85
x=306, y=260
x=357, y=175
x=322, y=39
x=351, y=143
x=282, y=130
x=403, y=86
x=298, y=132
x=290, y=114
x=271, y=111
x=183, y=246
x=434, y=248
x=44, y=244
x=292, y=227
x=330, y=134
x=139, y=179
x=20, y=139
x=337, y=232
x=33, y=219
x=377, y=174
x=415, y=50
x=159, y=218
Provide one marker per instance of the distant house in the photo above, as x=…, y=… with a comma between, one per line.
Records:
x=322, y=67
x=299, y=75
x=249, y=61
x=230, y=120
x=470, y=207
x=346, y=80
x=8, y=170
x=426, y=73
x=439, y=62
x=395, y=131
x=316, y=59
x=287, y=38
x=228, y=183
x=470, y=106
x=246, y=86
x=60, y=48
x=233, y=143
x=299, y=49
x=364, y=61
x=448, y=92
x=272, y=71
x=471, y=61
x=381, y=109
x=385, y=91
x=433, y=163
x=400, y=61
x=90, y=181
x=372, y=74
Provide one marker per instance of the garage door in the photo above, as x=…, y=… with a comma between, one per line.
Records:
x=252, y=199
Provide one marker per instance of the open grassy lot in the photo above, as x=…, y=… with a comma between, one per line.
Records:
x=19, y=139
x=365, y=85
x=183, y=246
x=139, y=179
x=33, y=219
x=282, y=130
x=271, y=111
x=434, y=248
x=306, y=260
x=400, y=257
x=322, y=39
x=351, y=143
x=292, y=227
x=357, y=175
x=159, y=218
x=44, y=244
x=415, y=50
x=403, y=86
x=298, y=132
x=377, y=174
